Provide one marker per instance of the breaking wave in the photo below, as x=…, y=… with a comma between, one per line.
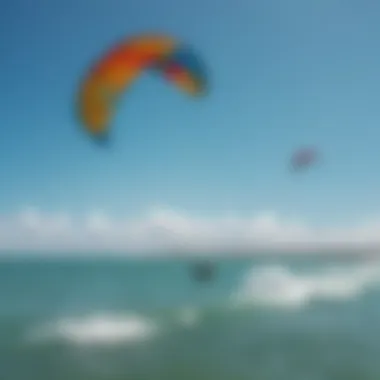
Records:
x=97, y=329
x=265, y=286
x=189, y=316
x=111, y=329
x=279, y=286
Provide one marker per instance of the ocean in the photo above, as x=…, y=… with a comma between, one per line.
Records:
x=289, y=318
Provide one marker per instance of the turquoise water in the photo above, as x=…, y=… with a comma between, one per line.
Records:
x=267, y=319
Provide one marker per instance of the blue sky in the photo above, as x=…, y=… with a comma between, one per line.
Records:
x=282, y=73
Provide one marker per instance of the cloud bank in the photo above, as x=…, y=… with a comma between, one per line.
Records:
x=165, y=231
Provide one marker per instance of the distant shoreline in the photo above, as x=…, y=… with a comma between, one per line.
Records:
x=46, y=255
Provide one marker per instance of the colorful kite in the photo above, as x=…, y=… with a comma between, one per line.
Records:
x=116, y=71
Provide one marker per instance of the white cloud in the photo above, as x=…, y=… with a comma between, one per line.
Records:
x=164, y=230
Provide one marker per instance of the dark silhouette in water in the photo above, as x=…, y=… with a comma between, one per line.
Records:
x=203, y=272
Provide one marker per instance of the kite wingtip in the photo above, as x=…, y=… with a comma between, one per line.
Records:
x=103, y=140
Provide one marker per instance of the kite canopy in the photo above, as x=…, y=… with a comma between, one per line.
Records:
x=117, y=69
x=303, y=158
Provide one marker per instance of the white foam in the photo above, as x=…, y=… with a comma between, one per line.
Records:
x=279, y=286
x=97, y=329
x=189, y=316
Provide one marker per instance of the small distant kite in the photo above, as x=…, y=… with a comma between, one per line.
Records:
x=303, y=158
x=117, y=69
